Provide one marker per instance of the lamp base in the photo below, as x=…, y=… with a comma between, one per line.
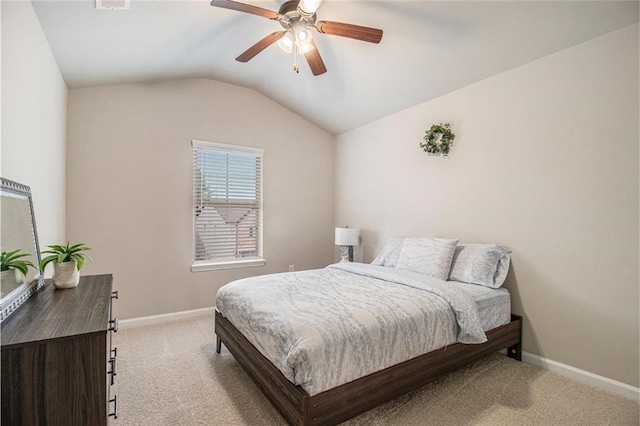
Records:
x=346, y=253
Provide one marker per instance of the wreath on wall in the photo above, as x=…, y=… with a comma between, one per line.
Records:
x=438, y=139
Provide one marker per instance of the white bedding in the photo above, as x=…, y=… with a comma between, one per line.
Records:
x=493, y=304
x=327, y=327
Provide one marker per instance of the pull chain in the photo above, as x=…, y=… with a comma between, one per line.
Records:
x=295, y=58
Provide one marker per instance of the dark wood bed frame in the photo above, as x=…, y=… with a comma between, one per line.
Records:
x=343, y=402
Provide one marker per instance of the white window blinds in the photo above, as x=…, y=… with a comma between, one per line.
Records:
x=227, y=203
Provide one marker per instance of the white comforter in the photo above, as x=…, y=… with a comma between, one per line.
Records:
x=326, y=327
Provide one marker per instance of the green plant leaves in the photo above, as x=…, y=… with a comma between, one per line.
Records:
x=438, y=139
x=13, y=260
x=61, y=254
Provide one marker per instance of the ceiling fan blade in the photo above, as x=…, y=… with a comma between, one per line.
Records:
x=248, y=54
x=246, y=8
x=315, y=60
x=372, y=35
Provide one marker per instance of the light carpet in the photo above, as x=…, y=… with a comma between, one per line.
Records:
x=170, y=374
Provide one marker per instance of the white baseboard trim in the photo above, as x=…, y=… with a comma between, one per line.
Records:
x=583, y=376
x=164, y=318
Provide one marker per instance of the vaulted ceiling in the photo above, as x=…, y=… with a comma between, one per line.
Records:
x=429, y=48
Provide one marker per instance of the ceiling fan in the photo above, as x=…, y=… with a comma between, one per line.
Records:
x=297, y=17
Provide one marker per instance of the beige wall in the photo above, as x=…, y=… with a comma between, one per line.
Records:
x=546, y=162
x=34, y=115
x=129, y=186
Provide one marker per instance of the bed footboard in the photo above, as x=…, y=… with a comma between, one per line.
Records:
x=344, y=402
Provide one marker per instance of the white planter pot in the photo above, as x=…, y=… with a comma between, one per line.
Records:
x=10, y=280
x=65, y=275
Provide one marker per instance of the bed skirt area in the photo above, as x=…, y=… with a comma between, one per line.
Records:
x=344, y=402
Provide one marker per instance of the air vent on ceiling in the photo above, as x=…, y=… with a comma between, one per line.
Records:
x=112, y=4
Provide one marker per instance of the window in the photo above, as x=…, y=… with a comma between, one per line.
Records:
x=227, y=206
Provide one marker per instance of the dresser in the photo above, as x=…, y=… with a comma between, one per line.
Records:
x=58, y=362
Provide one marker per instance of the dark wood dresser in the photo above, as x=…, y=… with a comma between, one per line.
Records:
x=58, y=363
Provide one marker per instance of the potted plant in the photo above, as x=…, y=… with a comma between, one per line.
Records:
x=67, y=262
x=12, y=265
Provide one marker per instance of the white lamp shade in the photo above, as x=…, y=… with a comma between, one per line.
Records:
x=286, y=42
x=347, y=237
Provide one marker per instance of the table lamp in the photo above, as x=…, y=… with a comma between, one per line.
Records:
x=346, y=238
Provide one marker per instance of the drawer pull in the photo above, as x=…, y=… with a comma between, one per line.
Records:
x=114, y=369
x=114, y=414
x=113, y=325
x=114, y=352
x=114, y=294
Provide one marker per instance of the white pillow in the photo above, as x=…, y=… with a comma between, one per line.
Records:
x=428, y=256
x=482, y=264
x=389, y=255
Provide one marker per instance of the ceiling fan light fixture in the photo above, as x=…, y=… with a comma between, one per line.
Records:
x=305, y=48
x=286, y=42
x=303, y=35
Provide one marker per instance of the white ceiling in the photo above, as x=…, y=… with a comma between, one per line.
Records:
x=429, y=48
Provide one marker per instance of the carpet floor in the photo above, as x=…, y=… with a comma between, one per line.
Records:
x=170, y=374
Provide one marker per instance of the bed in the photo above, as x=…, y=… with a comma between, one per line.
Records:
x=326, y=345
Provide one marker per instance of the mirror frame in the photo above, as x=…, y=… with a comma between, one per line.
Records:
x=16, y=298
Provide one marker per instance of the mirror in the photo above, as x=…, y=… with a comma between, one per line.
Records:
x=20, y=276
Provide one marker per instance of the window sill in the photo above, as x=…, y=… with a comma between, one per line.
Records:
x=231, y=264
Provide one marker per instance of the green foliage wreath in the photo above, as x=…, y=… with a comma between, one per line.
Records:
x=438, y=139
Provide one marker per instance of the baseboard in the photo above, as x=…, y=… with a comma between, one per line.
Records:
x=583, y=376
x=164, y=318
